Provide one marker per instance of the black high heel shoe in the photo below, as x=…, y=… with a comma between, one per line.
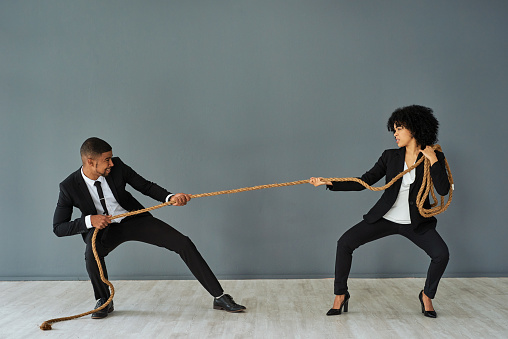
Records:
x=430, y=314
x=345, y=303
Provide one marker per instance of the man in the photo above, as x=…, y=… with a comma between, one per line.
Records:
x=97, y=189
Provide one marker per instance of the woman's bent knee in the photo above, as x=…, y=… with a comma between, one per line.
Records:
x=442, y=256
x=343, y=244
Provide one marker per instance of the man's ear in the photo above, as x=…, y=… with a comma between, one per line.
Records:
x=90, y=162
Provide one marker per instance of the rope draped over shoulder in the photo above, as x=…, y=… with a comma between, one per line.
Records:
x=425, y=189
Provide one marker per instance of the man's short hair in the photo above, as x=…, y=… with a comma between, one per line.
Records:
x=94, y=147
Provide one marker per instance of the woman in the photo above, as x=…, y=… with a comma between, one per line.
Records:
x=415, y=129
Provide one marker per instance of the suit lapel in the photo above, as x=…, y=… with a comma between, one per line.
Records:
x=419, y=174
x=397, y=166
x=80, y=182
x=112, y=186
x=402, y=159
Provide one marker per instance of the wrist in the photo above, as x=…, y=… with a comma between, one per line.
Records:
x=88, y=221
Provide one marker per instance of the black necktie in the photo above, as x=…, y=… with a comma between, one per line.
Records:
x=101, y=197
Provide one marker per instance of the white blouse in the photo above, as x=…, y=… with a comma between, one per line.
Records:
x=399, y=213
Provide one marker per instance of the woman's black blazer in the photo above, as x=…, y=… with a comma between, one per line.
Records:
x=389, y=165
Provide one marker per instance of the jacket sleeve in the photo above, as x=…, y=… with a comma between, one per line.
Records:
x=372, y=176
x=439, y=175
x=142, y=185
x=62, y=223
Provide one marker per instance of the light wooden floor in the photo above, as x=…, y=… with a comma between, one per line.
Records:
x=379, y=308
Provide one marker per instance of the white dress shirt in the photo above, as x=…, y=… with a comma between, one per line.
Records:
x=112, y=205
x=399, y=213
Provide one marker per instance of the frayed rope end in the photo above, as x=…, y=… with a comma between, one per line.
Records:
x=45, y=326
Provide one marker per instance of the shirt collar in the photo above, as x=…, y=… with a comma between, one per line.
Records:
x=90, y=181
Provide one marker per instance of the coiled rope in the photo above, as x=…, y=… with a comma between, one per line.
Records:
x=425, y=188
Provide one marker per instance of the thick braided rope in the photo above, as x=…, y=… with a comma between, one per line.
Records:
x=425, y=188
x=426, y=185
x=47, y=324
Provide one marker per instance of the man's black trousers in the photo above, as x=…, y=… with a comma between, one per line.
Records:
x=150, y=230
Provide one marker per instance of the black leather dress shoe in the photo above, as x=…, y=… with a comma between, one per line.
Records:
x=430, y=314
x=227, y=303
x=104, y=312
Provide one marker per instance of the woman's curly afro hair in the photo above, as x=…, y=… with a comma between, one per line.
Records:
x=419, y=120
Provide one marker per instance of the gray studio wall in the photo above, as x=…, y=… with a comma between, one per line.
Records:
x=201, y=96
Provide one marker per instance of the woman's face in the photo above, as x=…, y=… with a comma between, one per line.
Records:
x=402, y=135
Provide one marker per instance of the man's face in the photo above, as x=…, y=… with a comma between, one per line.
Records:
x=102, y=164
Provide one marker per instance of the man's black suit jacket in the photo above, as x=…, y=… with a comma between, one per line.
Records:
x=389, y=165
x=74, y=193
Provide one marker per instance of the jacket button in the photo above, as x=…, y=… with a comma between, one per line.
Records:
x=411, y=203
